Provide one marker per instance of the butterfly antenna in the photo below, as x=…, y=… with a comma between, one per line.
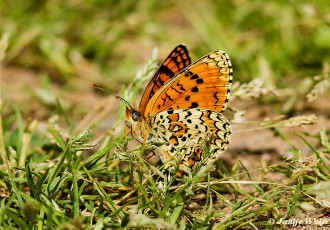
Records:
x=116, y=96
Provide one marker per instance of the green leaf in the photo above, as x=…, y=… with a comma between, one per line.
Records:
x=322, y=190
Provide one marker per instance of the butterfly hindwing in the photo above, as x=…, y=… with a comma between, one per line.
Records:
x=204, y=84
x=185, y=132
x=177, y=60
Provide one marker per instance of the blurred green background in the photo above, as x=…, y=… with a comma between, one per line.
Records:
x=65, y=46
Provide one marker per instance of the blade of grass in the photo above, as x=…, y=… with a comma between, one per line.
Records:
x=57, y=168
x=75, y=208
x=292, y=205
x=256, y=186
x=57, y=137
x=324, y=139
x=13, y=185
x=39, y=184
x=30, y=180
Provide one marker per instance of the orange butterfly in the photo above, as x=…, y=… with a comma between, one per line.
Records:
x=182, y=106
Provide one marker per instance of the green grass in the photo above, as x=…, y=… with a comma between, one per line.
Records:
x=59, y=171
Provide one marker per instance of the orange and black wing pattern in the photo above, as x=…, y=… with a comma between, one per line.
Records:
x=177, y=60
x=204, y=84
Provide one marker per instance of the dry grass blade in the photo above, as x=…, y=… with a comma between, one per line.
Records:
x=276, y=122
x=253, y=89
x=322, y=86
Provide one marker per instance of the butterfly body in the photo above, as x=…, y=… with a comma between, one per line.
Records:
x=181, y=107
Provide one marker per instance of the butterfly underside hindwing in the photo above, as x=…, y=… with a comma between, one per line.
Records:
x=186, y=133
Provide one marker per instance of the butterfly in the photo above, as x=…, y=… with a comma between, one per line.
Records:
x=182, y=104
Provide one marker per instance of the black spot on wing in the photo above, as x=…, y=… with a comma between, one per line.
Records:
x=195, y=89
x=194, y=105
x=195, y=76
x=181, y=86
x=215, y=95
x=200, y=81
x=188, y=115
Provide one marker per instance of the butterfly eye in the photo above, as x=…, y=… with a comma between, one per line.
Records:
x=135, y=115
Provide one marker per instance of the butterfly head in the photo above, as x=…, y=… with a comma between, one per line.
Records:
x=135, y=122
x=132, y=113
x=135, y=115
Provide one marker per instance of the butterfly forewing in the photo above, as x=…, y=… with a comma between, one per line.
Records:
x=204, y=84
x=177, y=60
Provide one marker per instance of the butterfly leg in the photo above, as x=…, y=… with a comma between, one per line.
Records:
x=128, y=128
